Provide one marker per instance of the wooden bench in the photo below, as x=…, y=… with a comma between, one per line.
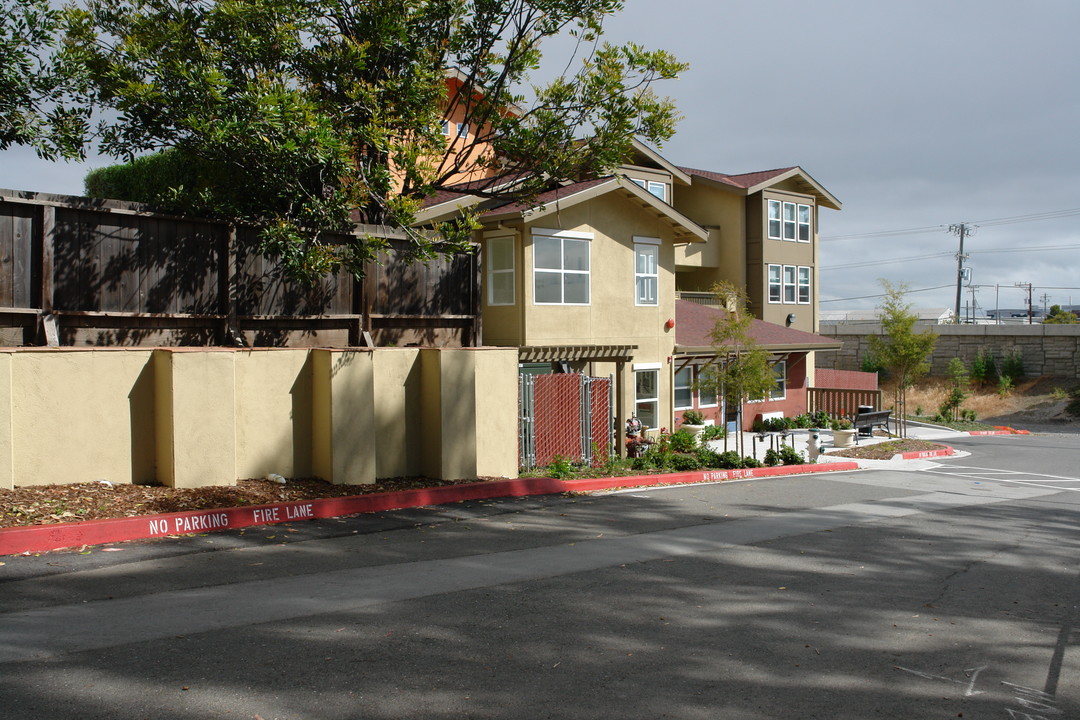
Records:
x=870, y=420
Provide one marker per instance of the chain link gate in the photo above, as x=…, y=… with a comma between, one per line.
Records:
x=567, y=415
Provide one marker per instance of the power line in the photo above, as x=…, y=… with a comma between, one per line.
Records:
x=880, y=295
x=871, y=263
x=1032, y=217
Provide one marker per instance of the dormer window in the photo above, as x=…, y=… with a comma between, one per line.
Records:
x=654, y=187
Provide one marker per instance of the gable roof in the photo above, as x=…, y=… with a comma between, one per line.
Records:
x=560, y=198
x=750, y=183
x=694, y=323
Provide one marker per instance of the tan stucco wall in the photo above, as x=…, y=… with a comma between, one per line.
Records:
x=75, y=416
x=273, y=413
x=194, y=417
x=723, y=257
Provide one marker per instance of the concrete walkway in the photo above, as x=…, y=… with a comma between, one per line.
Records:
x=758, y=444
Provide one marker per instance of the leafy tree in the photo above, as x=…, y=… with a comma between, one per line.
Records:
x=904, y=352
x=743, y=370
x=984, y=368
x=31, y=83
x=1059, y=316
x=309, y=115
x=958, y=393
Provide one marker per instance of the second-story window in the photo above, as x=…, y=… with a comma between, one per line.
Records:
x=463, y=130
x=775, y=291
x=646, y=271
x=804, y=223
x=789, y=283
x=804, y=285
x=658, y=189
x=560, y=268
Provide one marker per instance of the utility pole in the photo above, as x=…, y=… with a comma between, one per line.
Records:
x=1045, y=298
x=963, y=230
x=1028, y=286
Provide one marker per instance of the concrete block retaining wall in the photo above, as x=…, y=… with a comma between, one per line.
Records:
x=1047, y=349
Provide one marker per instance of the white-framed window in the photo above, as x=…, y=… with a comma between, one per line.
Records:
x=780, y=372
x=646, y=271
x=775, y=285
x=707, y=397
x=560, y=267
x=790, y=224
x=774, y=219
x=658, y=189
x=779, y=391
x=684, y=388
x=463, y=130
x=445, y=127
x=790, y=272
x=647, y=395
x=804, y=223
x=500, y=271
x=804, y=285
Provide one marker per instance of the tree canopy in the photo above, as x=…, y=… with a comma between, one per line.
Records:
x=904, y=352
x=1059, y=316
x=32, y=83
x=743, y=370
x=309, y=115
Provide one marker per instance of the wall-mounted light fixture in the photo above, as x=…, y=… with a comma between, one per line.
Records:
x=790, y=319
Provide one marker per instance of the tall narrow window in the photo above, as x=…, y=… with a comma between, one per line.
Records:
x=804, y=223
x=561, y=273
x=646, y=273
x=789, y=283
x=707, y=396
x=789, y=221
x=647, y=396
x=463, y=130
x=804, y=285
x=774, y=219
x=775, y=294
x=684, y=388
x=500, y=270
x=780, y=373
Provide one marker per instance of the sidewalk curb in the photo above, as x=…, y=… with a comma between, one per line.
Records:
x=923, y=454
x=40, y=538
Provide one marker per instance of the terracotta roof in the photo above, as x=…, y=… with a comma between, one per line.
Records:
x=549, y=197
x=743, y=181
x=694, y=323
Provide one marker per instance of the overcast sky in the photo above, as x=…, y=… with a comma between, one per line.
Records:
x=916, y=115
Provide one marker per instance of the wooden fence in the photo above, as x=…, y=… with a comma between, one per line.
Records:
x=841, y=403
x=77, y=271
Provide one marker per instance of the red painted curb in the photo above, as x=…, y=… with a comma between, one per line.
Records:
x=989, y=432
x=40, y=538
x=921, y=454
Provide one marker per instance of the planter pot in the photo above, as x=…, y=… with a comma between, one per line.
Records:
x=843, y=438
x=695, y=429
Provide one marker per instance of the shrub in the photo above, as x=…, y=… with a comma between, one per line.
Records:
x=708, y=458
x=840, y=424
x=713, y=432
x=983, y=368
x=1073, y=408
x=729, y=459
x=693, y=417
x=560, y=467
x=749, y=462
x=772, y=458
x=871, y=364
x=682, y=441
x=684, y=463
x=1012, y=366
x=1005, y=385
x=820, y=419
x=788, y=456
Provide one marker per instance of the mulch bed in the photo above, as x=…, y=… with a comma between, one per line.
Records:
x=47, y=504
x=886, y=450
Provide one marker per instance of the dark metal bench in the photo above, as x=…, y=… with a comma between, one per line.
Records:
x=869, y=420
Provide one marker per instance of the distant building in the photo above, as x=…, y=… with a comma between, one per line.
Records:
x=937, y=316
